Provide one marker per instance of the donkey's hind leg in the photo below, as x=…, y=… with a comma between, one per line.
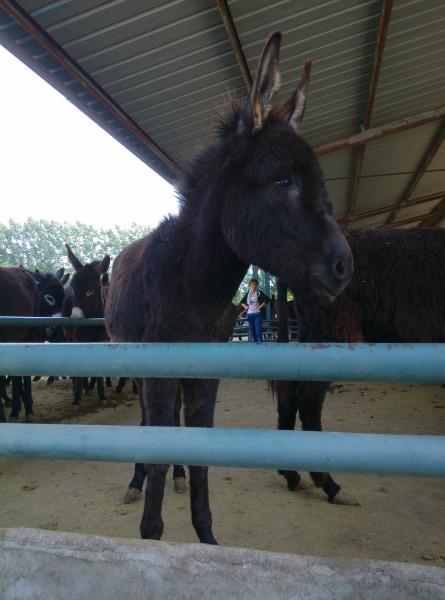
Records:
x=288, y=402
x=158, y=397
x=199, y=408
x=27, y=398
x=310, y=415
x=100, y=389
x=178, y=470
x=17, y=393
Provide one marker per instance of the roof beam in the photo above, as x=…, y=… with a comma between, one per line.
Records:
x=28, y=24
x=235, y=42
x=385, y=16
x=431, y=152
x=435, y=217
x=376, y=133
x=385, y=209
x=407, y=221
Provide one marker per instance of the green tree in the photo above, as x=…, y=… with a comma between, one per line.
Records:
x=40, y=244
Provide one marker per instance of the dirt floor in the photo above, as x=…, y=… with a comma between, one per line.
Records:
x=399, y=518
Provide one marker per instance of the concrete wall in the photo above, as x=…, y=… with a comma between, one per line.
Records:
x=44, y=565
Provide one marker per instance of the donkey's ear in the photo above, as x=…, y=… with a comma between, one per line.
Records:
x=73, y=258
x=38, y=277
x=60, y=272
x=102, y=267
x=63, y=280
x=293, y=109
x=265, y=85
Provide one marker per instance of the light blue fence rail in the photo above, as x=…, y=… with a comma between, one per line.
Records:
x=328, y=362
x=49, y=322
x=404, y=455
x=267, y=449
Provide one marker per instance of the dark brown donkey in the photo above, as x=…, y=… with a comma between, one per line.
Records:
x=19, y=296
x=397, y=294
x=255, y=194
x=85, y=299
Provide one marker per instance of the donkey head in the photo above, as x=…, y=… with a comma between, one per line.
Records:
x=275, y=210
x=51, y=292
x=87, y=300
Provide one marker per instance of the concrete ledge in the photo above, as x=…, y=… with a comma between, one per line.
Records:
x=44, y=565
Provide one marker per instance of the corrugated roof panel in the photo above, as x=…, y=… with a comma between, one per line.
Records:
x=409, y=81
x=419, y=210
x=433, y=182
x=169, y=65
x=401, y=152
x=338, y=165
x=338, y=35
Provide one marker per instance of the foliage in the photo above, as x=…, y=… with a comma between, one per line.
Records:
x=40, y=244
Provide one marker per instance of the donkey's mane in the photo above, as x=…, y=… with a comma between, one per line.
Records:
x=208, y=161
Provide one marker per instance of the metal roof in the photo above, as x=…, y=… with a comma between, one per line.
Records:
x=152, y=73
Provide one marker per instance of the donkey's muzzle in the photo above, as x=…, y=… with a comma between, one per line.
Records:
x=341, y=269
x=330, y=278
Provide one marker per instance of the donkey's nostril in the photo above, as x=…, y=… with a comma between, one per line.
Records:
x=340, y=269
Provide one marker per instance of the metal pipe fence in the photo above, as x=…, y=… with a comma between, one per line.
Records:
x=313, y=362
x=266, y=449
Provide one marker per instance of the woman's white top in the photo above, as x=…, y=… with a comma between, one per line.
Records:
x=252, y=303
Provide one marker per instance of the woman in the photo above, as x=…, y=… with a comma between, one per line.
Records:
x=253, y=302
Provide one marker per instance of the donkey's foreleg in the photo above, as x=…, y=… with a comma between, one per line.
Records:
x=134, y=490
x=121, y=384
x=286, y=392
x=27, y=398
x=199, y=401
x=3, y=392
x=158, y=397
x=78, y=384
x=310, y=415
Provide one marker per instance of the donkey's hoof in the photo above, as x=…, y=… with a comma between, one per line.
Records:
x=132, y=495
x=205, y=536
x=344, y=500
x=29, y=418
x=13, y=420
x=180, y=486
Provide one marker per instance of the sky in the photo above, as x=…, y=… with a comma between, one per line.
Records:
x=56, y=163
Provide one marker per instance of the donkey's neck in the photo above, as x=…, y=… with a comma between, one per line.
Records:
x=212, y=268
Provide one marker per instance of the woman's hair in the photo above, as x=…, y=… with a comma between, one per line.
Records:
x=254, y=281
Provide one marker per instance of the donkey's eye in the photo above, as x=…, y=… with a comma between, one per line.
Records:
x=90, y=292
x=49, y=299
x=282, y=183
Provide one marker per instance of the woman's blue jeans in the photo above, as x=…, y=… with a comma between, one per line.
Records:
x=255, y=325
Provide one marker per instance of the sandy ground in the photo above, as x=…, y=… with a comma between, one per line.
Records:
x=399, y=518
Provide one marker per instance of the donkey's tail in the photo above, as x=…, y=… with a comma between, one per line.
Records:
x=283, y=312
x=283, y=323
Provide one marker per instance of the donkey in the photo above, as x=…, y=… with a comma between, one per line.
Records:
x=254, y=195
x=397, y=294
x=20, y=297
x=51, y=292
x=86, y=300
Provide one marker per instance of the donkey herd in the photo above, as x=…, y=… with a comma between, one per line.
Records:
x=254, y=195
